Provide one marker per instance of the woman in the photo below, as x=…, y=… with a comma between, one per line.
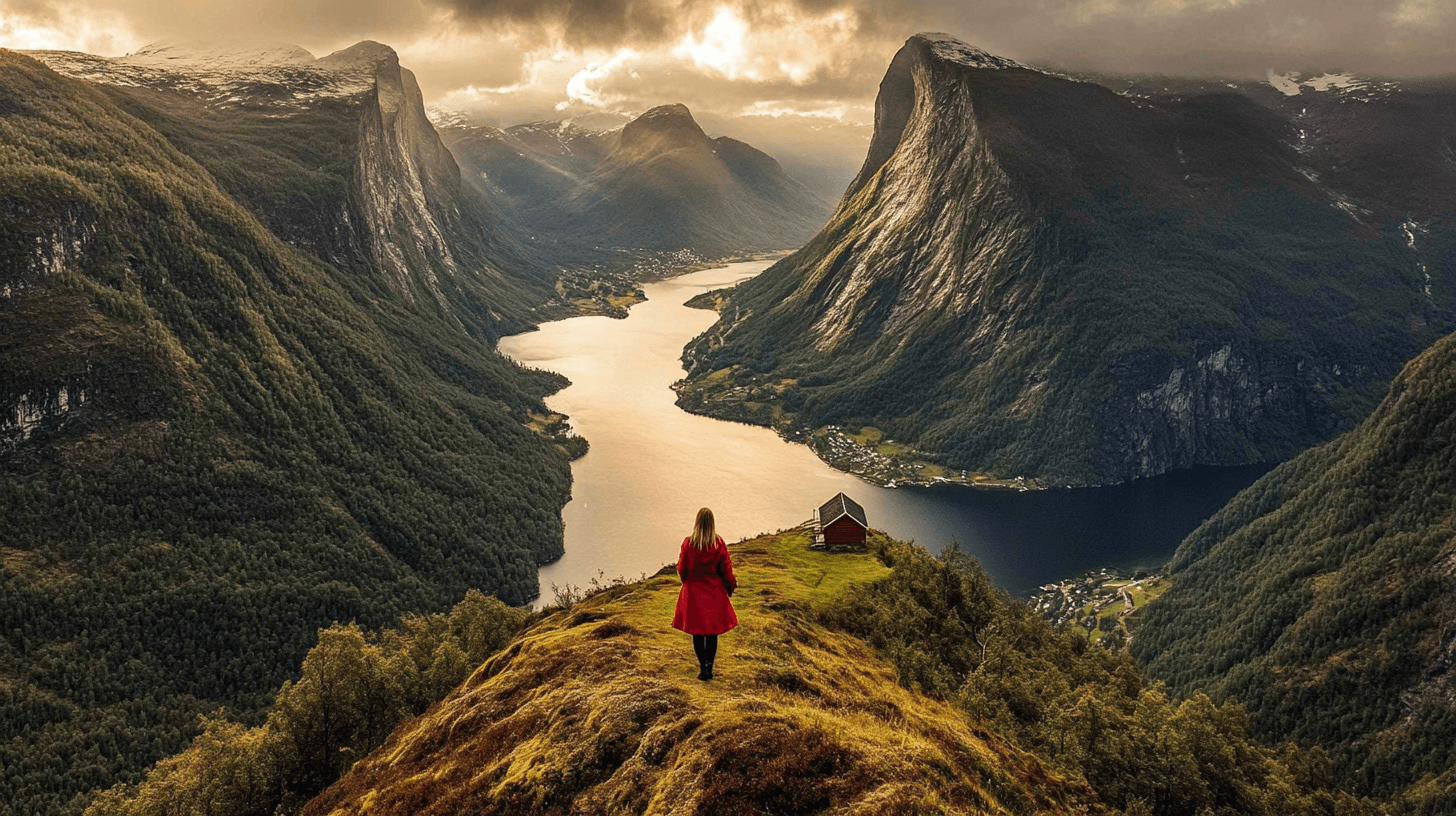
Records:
x=703, y=608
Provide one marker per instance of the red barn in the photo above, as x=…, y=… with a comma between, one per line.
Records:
x=840, y=524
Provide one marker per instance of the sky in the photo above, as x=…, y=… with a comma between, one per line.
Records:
x=794, y=77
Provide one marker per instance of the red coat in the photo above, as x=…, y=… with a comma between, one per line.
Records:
x=703, y=607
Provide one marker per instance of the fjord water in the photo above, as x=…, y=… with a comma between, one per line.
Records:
x=652, y=465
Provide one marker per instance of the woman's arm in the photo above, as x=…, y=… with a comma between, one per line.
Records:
x=725, y=569
x=682, y=560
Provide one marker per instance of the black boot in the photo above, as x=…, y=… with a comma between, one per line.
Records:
x=705, y=671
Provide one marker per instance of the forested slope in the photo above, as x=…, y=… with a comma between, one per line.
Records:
x=212, y=445
x=1324, y=596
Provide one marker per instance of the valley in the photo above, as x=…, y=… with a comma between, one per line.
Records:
x=651, y=465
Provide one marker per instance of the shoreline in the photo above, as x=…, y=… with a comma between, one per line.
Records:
x=866, y=453
x=613, y=291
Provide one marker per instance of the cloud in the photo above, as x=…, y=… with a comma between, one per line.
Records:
x=32, y=24
x=1241, y=37
x=782, y=60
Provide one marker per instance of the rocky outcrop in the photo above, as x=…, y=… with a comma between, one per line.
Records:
x=50, y=243
x=401, y=175
x=1234, y=403
x=35, y=411
x=1034, y=275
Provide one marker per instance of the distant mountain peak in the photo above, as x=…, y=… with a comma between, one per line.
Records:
x=365, y=53
x=952, y=49
x=443, y=118
x=675, y=109
x=665, y=127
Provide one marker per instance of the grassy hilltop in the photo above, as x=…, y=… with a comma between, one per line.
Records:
x=598, y=709
x=889, y=682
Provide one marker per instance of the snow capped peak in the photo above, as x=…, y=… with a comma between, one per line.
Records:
x=951, y=49
x=217, y=56
x=364, y=54
x=673, y=110
x=442, y=118
x=227, y=74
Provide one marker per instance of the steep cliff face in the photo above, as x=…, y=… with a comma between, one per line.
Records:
x=212, y=442
x=337, y=156
x=1324, y=596
x=50, y=244
x=1038, y=276
x=660, y=183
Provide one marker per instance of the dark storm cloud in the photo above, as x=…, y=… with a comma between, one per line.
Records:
x=1213, y=36
x=648, y=23
x=1386, y=36
x=580, y=22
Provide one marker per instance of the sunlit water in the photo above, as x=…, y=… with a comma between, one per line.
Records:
x=652, y=465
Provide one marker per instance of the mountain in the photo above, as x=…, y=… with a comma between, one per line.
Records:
x=337, y=157
x=888, y=682
x=1324, y=596
x=213, y=438
x=1034, y=275
x=658, y=183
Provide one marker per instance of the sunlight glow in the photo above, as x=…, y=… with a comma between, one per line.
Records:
x=777, y=110
x=722, y=47
x=68, y=30
x=1420, y=13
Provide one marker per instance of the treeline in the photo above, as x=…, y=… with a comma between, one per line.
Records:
x=266, y=447
x=1082, y=708
x=354, y=689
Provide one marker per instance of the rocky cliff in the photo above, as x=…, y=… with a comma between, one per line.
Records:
x=337, y=156
x=1035, y=275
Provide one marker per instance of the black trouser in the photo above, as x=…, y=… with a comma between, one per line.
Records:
x=705, y=647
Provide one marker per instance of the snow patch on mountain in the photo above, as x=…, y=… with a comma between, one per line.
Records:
x=1284, y=83
x=442, y=118
x=951, y=49
x=226, y=75
x=220, y=56
x=1344, y=84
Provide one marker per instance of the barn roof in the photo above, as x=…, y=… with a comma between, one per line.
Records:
x=840, y=506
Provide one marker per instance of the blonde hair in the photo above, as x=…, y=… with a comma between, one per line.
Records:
x=704, y=535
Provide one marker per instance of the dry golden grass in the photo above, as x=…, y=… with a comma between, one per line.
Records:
x=598, y=709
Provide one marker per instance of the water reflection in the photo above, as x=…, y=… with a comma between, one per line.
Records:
x=652, y=465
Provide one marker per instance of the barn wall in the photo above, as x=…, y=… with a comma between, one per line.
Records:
x=844, y=531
